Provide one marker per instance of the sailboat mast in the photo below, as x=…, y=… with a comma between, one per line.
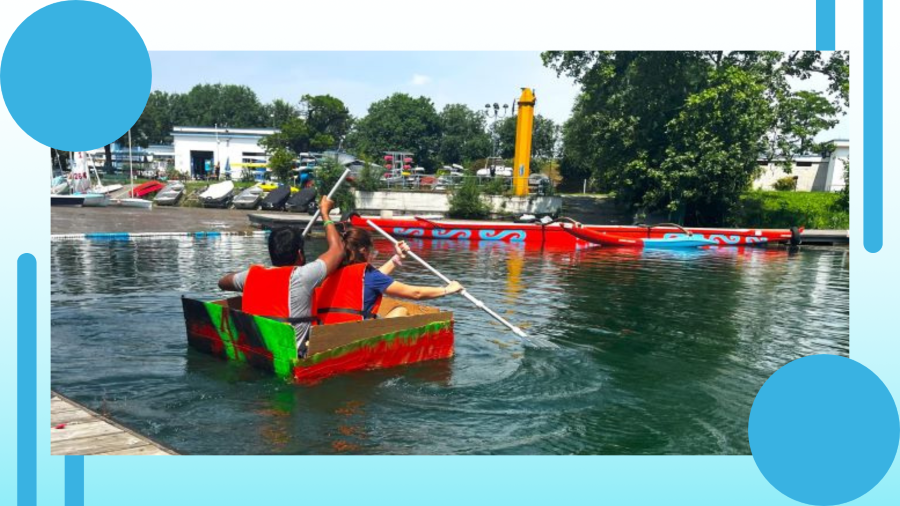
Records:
x=130, y=165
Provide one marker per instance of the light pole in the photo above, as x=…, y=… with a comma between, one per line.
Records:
x=493, y=114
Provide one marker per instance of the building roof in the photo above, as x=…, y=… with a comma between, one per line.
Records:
x=222, y=132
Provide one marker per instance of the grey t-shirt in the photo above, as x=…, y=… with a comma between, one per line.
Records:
x=304, y=280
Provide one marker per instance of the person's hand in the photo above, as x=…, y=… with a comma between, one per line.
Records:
x=453, y=287
x=401, y=248
x=325, y=206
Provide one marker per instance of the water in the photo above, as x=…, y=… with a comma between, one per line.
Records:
x=660, y=352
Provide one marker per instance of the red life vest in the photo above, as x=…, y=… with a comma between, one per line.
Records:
x=267, y=291
x=340, y=298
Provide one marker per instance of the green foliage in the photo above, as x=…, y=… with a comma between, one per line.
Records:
x=463, y=137
x=294, y=136
x=681, y=131
x=466, y=201
x=282, y=163
x=545, y=134
x=327, y=174
x=329, y=120
x=843, y=201
x=785, y=184
x=399, y=122
x=280, y=112
x=812, y=210
x=495, y=186
x=369, y=179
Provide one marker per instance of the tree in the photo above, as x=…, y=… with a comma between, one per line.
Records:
x=282, y=163
x=227, y=105
x=329, y=120
x=399, y=123
x=463, y=136
x=279, y=112
x=327, y=176
x=544, y=136
x=294, y=136
x=682, y=131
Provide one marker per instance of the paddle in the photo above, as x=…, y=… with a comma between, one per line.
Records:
x=330, y=194
x=519, y=332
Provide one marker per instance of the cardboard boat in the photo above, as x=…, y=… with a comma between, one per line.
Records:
x=221, y=329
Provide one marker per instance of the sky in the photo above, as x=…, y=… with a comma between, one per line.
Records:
x=358, y=78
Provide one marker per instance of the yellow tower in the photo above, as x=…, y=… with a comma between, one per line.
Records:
x=522, y=159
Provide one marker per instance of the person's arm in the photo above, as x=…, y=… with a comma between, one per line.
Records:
x=401, y=248
x=335, y=254
x=398, y=289
x=233, y=282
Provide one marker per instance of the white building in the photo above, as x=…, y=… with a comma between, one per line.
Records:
x=813, y=173
x=199, y=149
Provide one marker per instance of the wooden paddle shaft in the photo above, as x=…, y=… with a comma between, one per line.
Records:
x=330, y=194
x=464, y=293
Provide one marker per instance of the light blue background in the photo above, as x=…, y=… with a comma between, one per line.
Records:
x=410, y=480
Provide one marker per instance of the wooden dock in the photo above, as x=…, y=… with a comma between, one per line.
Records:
x=76, y=430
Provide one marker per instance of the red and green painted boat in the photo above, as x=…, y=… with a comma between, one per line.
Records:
x=554, y=235
x=221, y=329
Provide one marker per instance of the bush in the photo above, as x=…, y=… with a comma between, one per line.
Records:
x=327, y=174
x=785, y=184
x=812, y=210
x=369, y=179
x=282, y=163
x=466, y=201
x=495, y=186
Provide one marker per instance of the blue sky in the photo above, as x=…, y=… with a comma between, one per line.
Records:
x=359, y=78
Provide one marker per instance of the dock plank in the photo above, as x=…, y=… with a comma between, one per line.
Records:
x=82, y=430
x=95, y=445
x=76, y=430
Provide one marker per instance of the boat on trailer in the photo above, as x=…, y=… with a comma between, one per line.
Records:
x=555, y=235
x=221, y=329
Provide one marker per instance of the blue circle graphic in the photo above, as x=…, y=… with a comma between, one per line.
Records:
x=824, y=430
x=75, y=75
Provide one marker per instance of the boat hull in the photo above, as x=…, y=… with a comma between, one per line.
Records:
x=535, y=234
x=95, y=200
x=615, y=241
x=66, y=201
x=221, y=329
x=276, y=199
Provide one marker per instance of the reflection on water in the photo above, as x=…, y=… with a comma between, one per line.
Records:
x=662, y=352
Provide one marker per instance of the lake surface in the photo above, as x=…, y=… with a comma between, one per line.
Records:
x=660, y=352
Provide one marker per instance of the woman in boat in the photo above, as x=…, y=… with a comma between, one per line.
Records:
x=355, y=291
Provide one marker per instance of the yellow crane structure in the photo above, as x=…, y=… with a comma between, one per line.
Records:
x=522, y=158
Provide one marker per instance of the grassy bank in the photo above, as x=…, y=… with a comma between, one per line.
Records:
x=812, y=210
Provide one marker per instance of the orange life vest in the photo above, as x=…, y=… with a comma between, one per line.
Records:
x=267, y=291
x=340, y=298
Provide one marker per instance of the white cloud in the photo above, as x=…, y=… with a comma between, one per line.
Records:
x=420, y=80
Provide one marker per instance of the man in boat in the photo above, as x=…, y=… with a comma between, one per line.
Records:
x=285, y=290
x=355, y=291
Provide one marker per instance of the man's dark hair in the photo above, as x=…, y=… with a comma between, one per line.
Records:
x=284, y=245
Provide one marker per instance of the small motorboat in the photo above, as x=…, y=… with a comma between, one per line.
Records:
x=144, y=189
x=303, y=200
x=249, y=198
x=276, y=198
x=92, y=199
x=170, y=195
x=687, y=240
x=217, y=195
